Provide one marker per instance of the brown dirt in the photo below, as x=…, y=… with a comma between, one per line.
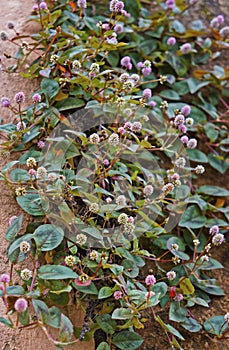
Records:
x=18, y=11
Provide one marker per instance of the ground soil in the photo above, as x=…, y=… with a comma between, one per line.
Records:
x=18, y=11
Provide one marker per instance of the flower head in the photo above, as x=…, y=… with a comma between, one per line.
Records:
x=82, y=4
x=43, y=5
x=148, y=190
x=19, y=97
x=117, y=295
x=31, y=162
x=192, y=143
x=113, y=139
x=5, y=102
x=94, y=208
x=171, y=275
x=186, y=48
x=5, y=278
x=94, y=138
x=81, y=239
x=21, y=305
x=147, y=93
x=25, y=247
x=93, y=255
x=121, y=200
x=70, y=260
x=123, y=219
x=41, y=172
x=36, y=98
x=213, y=230
x=150, y=280
x=26, y=274
x=218, y=239
x=171, y=41
x=118, y=28
x=186, y=110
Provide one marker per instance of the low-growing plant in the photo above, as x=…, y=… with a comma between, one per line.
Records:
x=108, y=170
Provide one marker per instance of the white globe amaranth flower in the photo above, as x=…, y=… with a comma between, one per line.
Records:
x=121, y=200
x=113, y=139
x=94, y=138
x=180, y=162
x=93, y=255
x=94, y=208
x=25, y=247
x=148, y=190
x=70, y=260
x=81, y=239
x=199, y=169
x=218, y=239
x=123, y=219
x=26, y=274
x=95, y=67
x=171, y=275
x=129, y=228
x=41, y=172
x=31, y=162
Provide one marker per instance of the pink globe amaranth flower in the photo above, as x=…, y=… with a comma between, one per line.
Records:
x=121, y=130
x=128, y=126
x=192, y=143
x=19, y=97
x=12, y=219
x=186, y=48
x=182, y=128
x=21, y=305
x=125, y=13
x=184, y=139
x=119, y=6
x=41, y=144
x=125, y=61
x=170, y=4
x=140, y=64
x=186, y=110
x=129, y=66
x=5, y=278
x=36, y=98
x=220, y=19
x=117, y=295
x=118, y=28
x=106, y=26
x=213, y=230
x=171, y=41
x=150, y=280
x=152, y=104
x=106, y=162
x=147, y=93
x=179, y=120
x=35, y=7
x=131, y=219
x=82, y=4
x=32, y=172
x=43, y=6
x=5, y=102
x=146, y=71
x=178, y=297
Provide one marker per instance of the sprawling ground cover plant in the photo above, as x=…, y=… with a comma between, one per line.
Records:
x=107, y=167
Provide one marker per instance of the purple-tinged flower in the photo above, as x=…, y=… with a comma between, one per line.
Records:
x=41, y=144
x=192, y=143
x=179, y=120
x=20, y=126
x=119, y=6
x=32, y=172
x=4, y=36
x=106, y=26
x=35, y=7
x=117, y=295
x=10, y=25
x=186, y=48
x=182, y=128
x=147, y=93
x=171, y=41
x=19, y=97
x=136, y=126
x=5, y=278
x=213, y=230
x=184, y=139
x=12, y=219
x=43, y=6
x=112, y=5
x=118, y=28
x=150, y=280
x=21, y=305
x=5, y=102
x=178, y=297
x=146, y=71
x=106, y=162
x=128, y=126
x=92, y=75
x=171, y=275
x=186, y=110
x=131, y=219
x=148, y=190
x=121, y=130
x=125, y=61
x=220, y=19
x=140, y=64
x=170, y=4
x=175, y=177
x=36, y=98
x=218, y=239
x=82, y=4
x=152, y=104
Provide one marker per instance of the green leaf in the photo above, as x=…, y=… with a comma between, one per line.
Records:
x=50, y=87
x=122, y=314
x=192, y=218
x=41, y=310
x=197, y=156
x=127, y=340
x=32, y=204
x=55, y=272
x=191, y=325
x=48, y=237
x=218, y=163
x=213, y=191
x=66, y=329
x=195, y=84
x=160, y=288
x=14, y=228
x=70, y=103
x=6, y=322
x=106, y=323
x=211, y=265
x=216, y=325
x=170, y=95
x=54, y=317
x=103, y=346
x=186, y=286
x=105, y=292
x=177, y=313
x=209, y=286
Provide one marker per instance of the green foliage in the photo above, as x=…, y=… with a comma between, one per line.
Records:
x=84, y=242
